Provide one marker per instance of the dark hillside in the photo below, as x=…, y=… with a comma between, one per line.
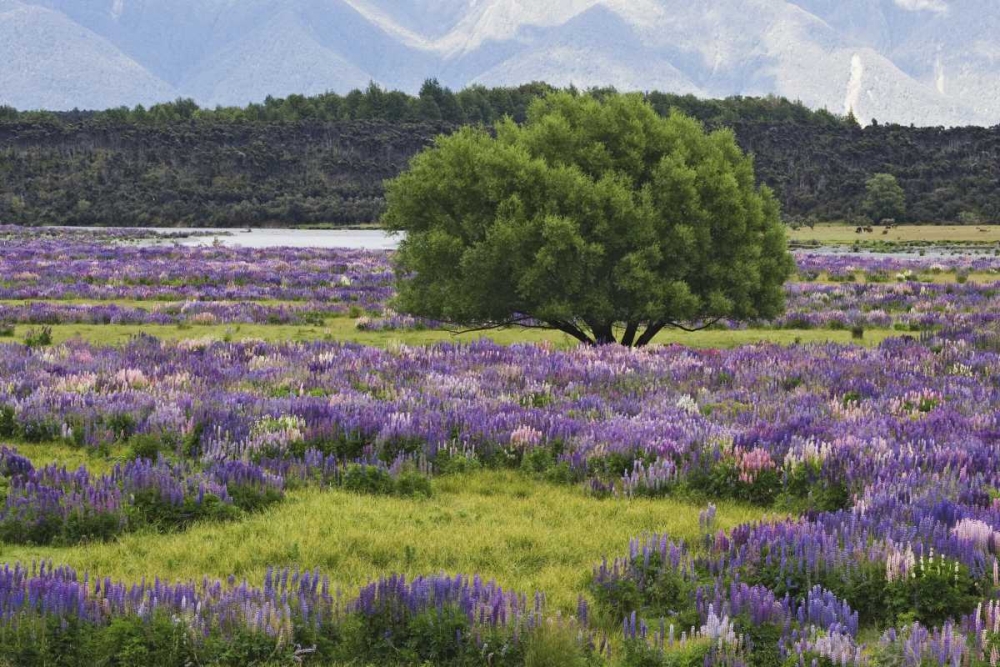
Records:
x=822, y=171
x=202, y=174
x=323, y=159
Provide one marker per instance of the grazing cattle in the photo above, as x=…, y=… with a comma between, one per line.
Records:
x=857, y=231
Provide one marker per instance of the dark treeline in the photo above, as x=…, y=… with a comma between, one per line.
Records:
x=434, y=103
x=323, y=159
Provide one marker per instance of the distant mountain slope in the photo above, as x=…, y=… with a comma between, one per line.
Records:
x=926, y=62
x=49, y=61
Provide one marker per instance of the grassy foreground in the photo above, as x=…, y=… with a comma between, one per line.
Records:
x=343, y=329
x=529, y=535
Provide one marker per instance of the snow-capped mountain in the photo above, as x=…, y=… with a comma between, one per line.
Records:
x=929, y=62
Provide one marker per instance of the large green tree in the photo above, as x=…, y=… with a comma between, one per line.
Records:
x=884, y=198
x=601, y=219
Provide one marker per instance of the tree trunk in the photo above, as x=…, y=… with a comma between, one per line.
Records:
x=604, y=333
x=631, y=329
x=647, y=336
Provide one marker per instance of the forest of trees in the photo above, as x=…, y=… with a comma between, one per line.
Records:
x=323, y=159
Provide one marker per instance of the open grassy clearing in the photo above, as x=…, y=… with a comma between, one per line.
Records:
x=835, y=232
x=344, y=330
x=46, y=453
x=529, y=535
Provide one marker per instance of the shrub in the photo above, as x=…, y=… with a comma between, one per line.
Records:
x=763, y=641
x=456, y=463
x=314, y=318
x=555, y=644
x=8, y=421
x=638, y=653
x=150, y=446
x=40, y=337
x=936, y=590
x=7, y=330
x=368, y=479
x=650, y=586
x=412, y=483
x=722, y=480
x=806, y=488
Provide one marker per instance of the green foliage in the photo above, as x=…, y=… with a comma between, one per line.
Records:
x=588, y=216
x=397, y=636
x=152, y=509
x=7, y=330
x=411, y=483
x=934, y=590
x=884, y=198
x=938, y=589
x=556, y=644
x=455, y=463
x=473, y=104
x=722, y=481
x=40, y=337
x=376, y=480
x=763, y=641
x=655, y=590
x=8, y=421
x=638, y=653
x=151, y=446
x=806, y=488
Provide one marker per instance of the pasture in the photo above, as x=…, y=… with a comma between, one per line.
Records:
x=845, y=234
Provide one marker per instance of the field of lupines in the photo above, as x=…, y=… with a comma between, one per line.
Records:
x=86, y=278
x=883, y=460
x=888, y=455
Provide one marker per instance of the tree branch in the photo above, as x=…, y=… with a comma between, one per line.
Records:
x=527, y=322
x=678, y=325
x=652, y=329
x=489, y=326
x=573, y=330
x=601, y=333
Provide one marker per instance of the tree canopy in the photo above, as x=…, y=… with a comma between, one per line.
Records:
x=884, y=198
x=598, y=218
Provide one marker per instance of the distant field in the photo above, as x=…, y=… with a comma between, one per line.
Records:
x=844, y=233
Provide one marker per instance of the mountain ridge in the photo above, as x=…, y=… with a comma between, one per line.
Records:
x=923, y=62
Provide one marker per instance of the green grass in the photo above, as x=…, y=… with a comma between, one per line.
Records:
x=65, y=455
x=841, y=233
x=529, y=535
x=343, y=329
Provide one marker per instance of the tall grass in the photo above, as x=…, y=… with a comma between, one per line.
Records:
x=529, y=535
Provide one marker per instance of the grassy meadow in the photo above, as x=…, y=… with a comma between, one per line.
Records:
x=835, y=233
x=528, y=534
